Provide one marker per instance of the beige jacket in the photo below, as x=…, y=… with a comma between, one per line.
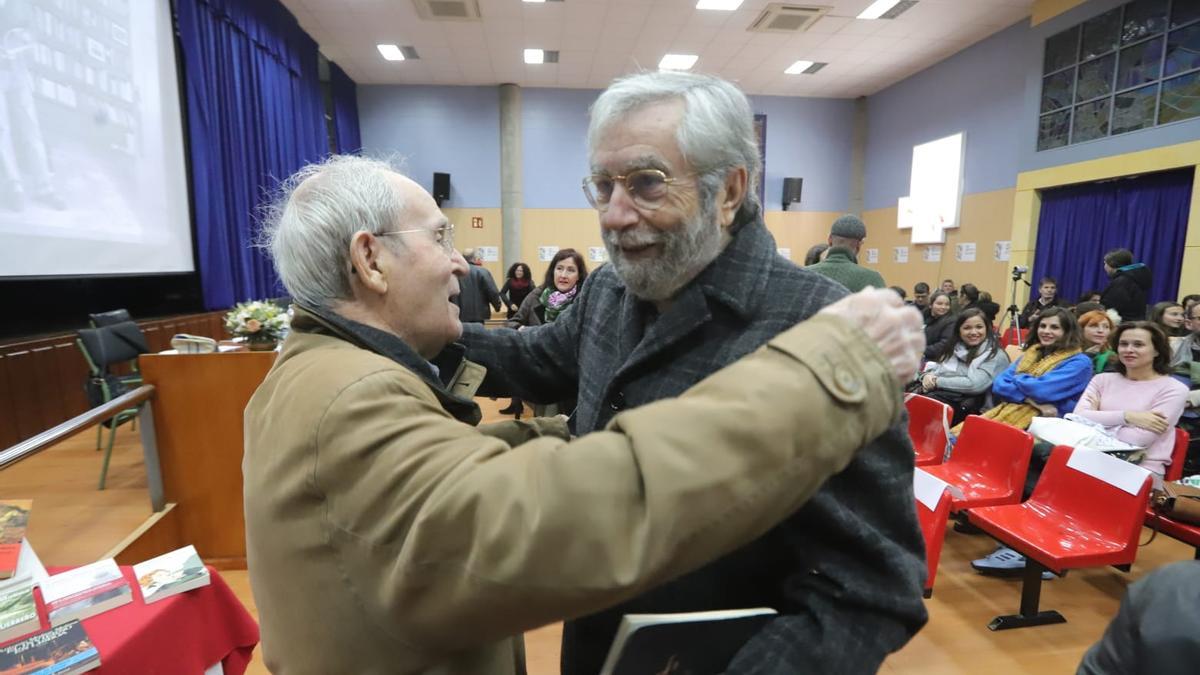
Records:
x=384, y=536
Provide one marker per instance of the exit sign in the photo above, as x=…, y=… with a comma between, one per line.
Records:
x=477, y=222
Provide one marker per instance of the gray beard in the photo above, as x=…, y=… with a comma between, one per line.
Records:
x=685, y=253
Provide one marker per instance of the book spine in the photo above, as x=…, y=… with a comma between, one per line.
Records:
x=84, y=594
x=10, y=555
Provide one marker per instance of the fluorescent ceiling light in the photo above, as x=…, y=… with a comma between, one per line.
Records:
x=534, y=0
x=534, y=56
x=390, y=52
x=798, y=67
x=878, y=9
x=724, y=5
x=677, y=62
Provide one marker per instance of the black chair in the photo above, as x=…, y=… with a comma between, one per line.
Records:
x=102, y=319
x=103, y=348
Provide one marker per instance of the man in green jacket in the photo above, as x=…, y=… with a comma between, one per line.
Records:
x=841, y=263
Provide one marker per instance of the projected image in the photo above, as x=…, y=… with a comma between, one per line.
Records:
x=90, y=139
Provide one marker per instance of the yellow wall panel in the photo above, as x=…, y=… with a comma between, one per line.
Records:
x=565, y=228
x=799, y=230
x=1044, y=10
x=466, y=236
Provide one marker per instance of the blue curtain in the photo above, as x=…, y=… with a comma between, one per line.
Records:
x=345, y=110
x=255, y=116
x=1079, y=224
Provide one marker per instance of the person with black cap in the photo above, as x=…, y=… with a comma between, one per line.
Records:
x=841, y=262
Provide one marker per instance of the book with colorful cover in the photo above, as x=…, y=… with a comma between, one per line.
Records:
x=18, y=610
x=687, y=643
x=171, y=573
x=85, y=591
x=14, y=518
x=29, y=565
x=62, y=650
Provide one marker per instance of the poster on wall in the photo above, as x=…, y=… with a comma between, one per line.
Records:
x=546, y=253
x=489, y=253
x=965, y=252
x=932, y=254
x=1002, y=251
x=597, y=254
x=786, y=253
x=900, y=254
x=872, y=256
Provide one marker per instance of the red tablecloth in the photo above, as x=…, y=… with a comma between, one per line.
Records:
x=181, y=635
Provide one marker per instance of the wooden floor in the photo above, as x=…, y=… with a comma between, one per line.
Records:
x=73, y=523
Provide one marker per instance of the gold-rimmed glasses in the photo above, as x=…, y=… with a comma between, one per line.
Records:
x=443, y=236
x=647, y=187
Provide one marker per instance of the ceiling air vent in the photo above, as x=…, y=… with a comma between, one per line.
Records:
x=781, y=18
x=899, y=8
x=448, y=10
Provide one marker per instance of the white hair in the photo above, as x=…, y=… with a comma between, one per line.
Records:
x=715, y=135
x=308, y=226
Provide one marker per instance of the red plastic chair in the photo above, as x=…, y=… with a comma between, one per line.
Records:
x=1073, y=519
x=988, y=465
x=1011, y=337
x=929, y=428
x=933, y=519
x=1178, y=456
x=1188, y=534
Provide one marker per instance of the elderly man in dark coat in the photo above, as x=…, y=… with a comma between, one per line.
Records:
x=841, y=262
x=695, y=283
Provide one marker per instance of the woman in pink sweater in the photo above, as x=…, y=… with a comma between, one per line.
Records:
x=1140, y=402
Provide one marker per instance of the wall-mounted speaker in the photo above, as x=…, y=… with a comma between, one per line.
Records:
x=441, y=187
x=791, y=191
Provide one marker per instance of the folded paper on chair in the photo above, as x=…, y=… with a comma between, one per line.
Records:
x=928, y=489
x=1079, y=433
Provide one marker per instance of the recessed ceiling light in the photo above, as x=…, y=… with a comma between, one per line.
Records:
x=390, y=52
x=533, y=0
x=534, y=56
x=798, y=67
x=677, y=62
x=878, y=9
x=724, y=5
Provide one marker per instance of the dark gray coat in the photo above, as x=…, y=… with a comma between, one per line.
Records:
x=477, y=290
x=846, y=572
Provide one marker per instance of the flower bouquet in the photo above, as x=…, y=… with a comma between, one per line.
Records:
x=262, y=324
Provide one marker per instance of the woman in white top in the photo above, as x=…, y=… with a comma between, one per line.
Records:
x=961, y=376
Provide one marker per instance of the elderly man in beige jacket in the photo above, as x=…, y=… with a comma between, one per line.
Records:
x=388, y=533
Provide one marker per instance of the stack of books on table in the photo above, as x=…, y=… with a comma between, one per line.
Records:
x=18, y=610
x=85, y=591
x=170, y=574
x=62, y=650
x=14, y=518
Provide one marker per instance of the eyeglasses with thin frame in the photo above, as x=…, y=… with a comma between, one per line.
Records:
x=443, y=236
x=647, y=187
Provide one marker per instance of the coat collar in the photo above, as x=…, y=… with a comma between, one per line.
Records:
x=309, y=320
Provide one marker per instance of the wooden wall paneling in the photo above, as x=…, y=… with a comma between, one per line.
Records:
x=71, y=372
x=28, y=410
x=9, y=435
x=153, y=338
x=47, y=386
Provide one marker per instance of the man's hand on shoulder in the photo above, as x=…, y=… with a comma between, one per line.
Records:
x=895, y=328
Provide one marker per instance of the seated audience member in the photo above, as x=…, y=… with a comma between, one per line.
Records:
x=989, y=307
x=1169, y=316
x=1047, y=296
x=1140, y=403
x=1085, y=307
x=815, y=254
x=1088, y=296
x=1185, y=364
x=921, y=296
x=962, y=375
x=1128, y=285
x=1095, y=327
x=564, y=276
x=1187, y=301
x=518, y=283
x=939, y=325
x=899, y=290
x=1048, y=377
x=386, y=532
x=973, y=299
x=1156, y=630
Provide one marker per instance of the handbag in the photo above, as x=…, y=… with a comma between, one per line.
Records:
x=1177, y=502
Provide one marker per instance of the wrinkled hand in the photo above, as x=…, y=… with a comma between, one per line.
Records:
x=895, y=328
x=1149, y=420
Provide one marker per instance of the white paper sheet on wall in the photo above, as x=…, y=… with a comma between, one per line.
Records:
x=785, y=252
x=964, y=252
x=489, y=253
x=872, y=255
x=546, y=253
x=1002, y=251
x=932, y=254
x=900, y=254
x=597, y=254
